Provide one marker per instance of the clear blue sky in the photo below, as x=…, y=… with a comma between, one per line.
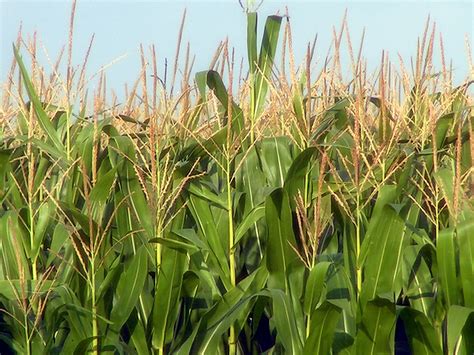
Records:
x=120, y=27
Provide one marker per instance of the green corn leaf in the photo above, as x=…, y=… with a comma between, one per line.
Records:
x=203, y=191
x=286, y=322
x=186, y=347
x=275, y=156
x=323, y=325
x=201, y=83
x=79, y=319
x=465, y=242
x=339, y=291
x=446, y=255
x=83, y=346
x=387, y=194
x=89, y=226
x=191, y=236
x=377, y=328
x=334, y=116
x=18, y=289
x=265, y=59
x=421, y=334
x=101, y=190
x=445, y=180
x=59, y=241
x=296, y=275
x=443, y=124
x=406, y=172
x=129, y=287
x=418, y=281
x=167, y=296
x=45, y=214
x=315, y=286
x=198, y=149
x=209, y=235
x=138, y=335
x=252, y=55
x=177, y=245
x=110, y=281
x=232, y=307
x=59, y=156
x=13, y=254
x=296, y=177
x=248, y=222
x=385, y=252
x=215, y=83
x=458, y=318
x=5, y=169
x=252, y=180
x=280, y=251
x=140, y=205
x=43, y=119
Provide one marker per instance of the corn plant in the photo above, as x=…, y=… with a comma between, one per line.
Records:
x=300, y=214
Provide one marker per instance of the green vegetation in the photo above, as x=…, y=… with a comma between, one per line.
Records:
x=300, y=214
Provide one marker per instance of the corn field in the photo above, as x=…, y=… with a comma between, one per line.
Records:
x=271, y=209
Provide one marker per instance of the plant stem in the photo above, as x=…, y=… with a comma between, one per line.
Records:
x=95, y=328
x=68, y=132
x=358, y=269
x=27, y=339
x=308, y=326
x=158, y=255
x=161, y=345
x=32, y=240
x=252, y=108
x=232, y=335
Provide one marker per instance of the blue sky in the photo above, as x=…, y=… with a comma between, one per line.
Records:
x=120, y=27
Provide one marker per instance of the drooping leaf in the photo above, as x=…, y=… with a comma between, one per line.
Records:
x=43, y=119
x=167, y=296
x=446, y=254
x=228, y=310
x=376, y=331
x=281, y=239
x=385, y=252
x=458, y=316
x=421, y=334
x=322, y=329
x=418, y=282
x=295, y=179
x=286, y=322
x=249, y=220
x=465, y=242
x=265, y=60
x=129, y=288
x=314, y=286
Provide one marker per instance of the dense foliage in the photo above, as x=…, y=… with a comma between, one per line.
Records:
x=300, y=215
